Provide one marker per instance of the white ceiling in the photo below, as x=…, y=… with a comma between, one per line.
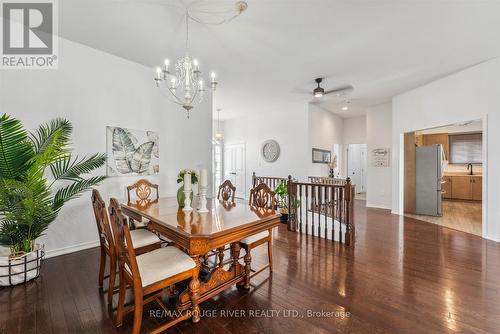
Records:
x=277, y=47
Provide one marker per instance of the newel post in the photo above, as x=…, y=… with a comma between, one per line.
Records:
x=292, y=221
x=349, y=196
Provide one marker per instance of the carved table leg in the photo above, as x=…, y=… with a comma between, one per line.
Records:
x=194, y=287
x=248, y=261
x=218, y=280
x=221, y=255
x=172, y=291
x=235, y=253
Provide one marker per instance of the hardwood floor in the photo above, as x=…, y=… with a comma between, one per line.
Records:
x=465, y=216
x=401, y=276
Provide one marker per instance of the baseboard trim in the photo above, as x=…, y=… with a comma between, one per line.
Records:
x=377, y=206
x=491, y=238
x=70, y=249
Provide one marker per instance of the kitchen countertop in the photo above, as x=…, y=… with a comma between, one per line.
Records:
x=460, y=174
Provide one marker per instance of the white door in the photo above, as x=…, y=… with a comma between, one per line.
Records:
x=363, y=152
x=217, y=165
x=356, y=165
x=234, y=167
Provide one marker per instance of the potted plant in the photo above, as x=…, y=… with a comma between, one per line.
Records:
x=180, y=180
x=38, y=175
x=281, y=191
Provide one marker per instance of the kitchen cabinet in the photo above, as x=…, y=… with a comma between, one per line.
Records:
x=477, y=188
x=419, y=140
x=409, y=172
x=464, y=187
x=438, y=138
x=461, y=187
x=446, y=187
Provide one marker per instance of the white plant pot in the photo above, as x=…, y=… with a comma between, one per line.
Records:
x=20, y=269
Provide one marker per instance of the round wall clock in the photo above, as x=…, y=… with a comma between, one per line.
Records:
x=270, y=150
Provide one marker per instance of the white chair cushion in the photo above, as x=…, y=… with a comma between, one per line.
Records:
x=142, y=237
x=255, y=237
x=139, y=224
x=143, y=223
x=161, y=264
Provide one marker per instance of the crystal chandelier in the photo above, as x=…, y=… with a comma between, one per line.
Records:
x=185, y=83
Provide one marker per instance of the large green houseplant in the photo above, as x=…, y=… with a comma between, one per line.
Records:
x=38, y=175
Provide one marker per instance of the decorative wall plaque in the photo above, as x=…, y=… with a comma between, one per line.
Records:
x=381, y=157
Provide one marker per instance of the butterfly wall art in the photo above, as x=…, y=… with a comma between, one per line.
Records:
x=131, y=152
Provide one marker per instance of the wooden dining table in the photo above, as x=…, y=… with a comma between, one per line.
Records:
x=197, y=233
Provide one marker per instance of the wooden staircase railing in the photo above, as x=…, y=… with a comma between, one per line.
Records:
x=314, y=208
x=322, y=207
x=271, y=181
x=327, y=180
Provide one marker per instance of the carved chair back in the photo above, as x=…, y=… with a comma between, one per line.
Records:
x=123, y=242
x=262, y=197
x=102, y=221
x=226, y=191
x=142, y=193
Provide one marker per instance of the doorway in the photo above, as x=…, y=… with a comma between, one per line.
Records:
x=356, y=167
x=234, y=167
x=443, y=176
x=217, y=165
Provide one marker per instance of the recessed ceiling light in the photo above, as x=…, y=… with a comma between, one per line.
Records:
x=345, y=108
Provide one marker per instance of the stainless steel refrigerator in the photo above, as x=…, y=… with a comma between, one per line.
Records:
x=428, y=180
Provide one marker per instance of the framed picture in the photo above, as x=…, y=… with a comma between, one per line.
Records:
x=131, y=152
x=321, y=156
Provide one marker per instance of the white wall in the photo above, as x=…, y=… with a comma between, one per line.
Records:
x=94, y=89
x=471, y=94
x=297, y=128
x=378, y=135
x=355, y=130
x=354, y=133
x=475, y=126
x=287, y=126
x=325, y=129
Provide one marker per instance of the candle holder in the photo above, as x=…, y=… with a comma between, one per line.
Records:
x=203, y=199
x=187, y=201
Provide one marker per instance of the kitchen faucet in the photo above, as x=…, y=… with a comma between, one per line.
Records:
x=469, y=168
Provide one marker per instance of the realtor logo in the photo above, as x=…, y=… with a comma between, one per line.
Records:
x=29, y=36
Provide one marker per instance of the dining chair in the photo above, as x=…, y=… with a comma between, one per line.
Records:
x=226, y=196
x=142, y=239
x=261, y=197
x=142, y=193
x=226, y=191
x=149, y=274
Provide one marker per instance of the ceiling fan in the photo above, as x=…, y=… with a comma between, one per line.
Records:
x=338, y=91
